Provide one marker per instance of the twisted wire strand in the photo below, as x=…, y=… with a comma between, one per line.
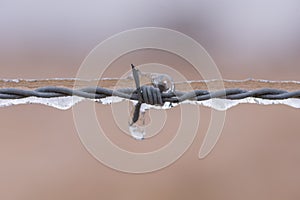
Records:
x=149, y=94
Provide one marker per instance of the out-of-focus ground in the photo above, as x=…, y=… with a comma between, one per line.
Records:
x=258, y=154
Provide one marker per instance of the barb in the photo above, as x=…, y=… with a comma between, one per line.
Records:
x=137, y=108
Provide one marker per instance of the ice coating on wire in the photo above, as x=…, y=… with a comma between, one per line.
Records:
x=65, y=103
x=64, y=98
x=62, y=103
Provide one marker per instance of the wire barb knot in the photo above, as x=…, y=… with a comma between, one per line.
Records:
x=146, y=94
x=150, y=95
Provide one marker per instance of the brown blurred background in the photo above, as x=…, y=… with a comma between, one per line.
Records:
x=258, y=154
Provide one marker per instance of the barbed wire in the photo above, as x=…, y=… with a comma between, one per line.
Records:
x=149, y=94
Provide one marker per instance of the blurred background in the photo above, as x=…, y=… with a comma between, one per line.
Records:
x=257, y=156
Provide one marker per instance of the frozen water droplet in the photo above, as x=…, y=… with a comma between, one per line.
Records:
x=163, y=81
x=137, y=132
x=137, y=129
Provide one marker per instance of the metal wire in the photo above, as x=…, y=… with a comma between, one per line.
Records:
x=150, y=95
x=147, y=94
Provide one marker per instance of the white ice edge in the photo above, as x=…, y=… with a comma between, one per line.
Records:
x=54, y=79
x=225, y=104
x=241, y=81
x=64, y=103
x=191, y=81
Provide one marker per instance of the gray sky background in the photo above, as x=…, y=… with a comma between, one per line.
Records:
x=243, y=36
